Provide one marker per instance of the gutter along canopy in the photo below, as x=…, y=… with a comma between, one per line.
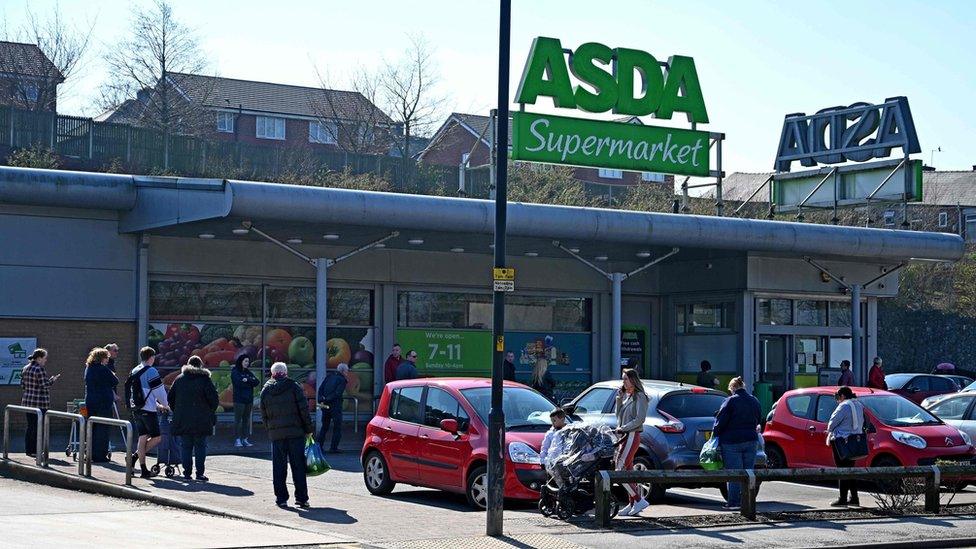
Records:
x=174, y=206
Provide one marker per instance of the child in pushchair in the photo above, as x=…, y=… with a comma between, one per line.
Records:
x=569, y=491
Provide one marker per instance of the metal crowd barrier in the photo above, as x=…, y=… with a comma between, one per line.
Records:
x=6, y=429
x=75, y=418
x=355, y=412
x=92, y=420
x=749, y=481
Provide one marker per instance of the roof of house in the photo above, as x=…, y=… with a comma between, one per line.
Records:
x=474, y=123
x=250, y=95
x=939, y=188
x=27, y=60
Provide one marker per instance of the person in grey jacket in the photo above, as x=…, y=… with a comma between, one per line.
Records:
x=631, y=411
x=847, y=420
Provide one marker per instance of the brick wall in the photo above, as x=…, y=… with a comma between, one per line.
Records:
x=68, y=343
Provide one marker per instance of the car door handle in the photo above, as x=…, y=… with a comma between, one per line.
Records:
x=812, y=429
x=424, y=436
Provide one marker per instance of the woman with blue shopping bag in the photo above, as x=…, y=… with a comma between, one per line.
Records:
x=736, y=426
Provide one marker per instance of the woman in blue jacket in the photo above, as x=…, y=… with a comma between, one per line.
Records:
x=736, y=426
x=100, y=384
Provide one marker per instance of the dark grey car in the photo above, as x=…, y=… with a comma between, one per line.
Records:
x=680, y=418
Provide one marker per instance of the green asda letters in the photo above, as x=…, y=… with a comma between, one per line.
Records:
x=662, y=92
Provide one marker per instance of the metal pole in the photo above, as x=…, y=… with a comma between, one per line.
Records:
x=616, y=279
x=142, y=292
x=857, y=364
x=492, y=146
x=496, y=416
x=718, y=182
x=321, y=320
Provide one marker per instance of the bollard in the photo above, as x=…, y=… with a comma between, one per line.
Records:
x=748, y=499
x=932, y=483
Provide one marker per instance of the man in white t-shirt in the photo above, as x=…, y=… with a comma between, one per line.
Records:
x=146, y=417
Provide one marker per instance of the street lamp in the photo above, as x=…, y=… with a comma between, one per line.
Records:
x=496, y=416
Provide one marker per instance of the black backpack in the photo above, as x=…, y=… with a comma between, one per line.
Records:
x=135, y=398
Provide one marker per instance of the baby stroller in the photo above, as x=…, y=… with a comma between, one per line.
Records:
x=570, y=489
x=168, y=454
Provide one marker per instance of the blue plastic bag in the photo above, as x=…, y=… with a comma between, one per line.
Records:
x=711, y=455
x=315, y=463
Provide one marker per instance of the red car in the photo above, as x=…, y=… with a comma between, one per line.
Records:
x=433, y=432
x=904, y=433
x=918, y=387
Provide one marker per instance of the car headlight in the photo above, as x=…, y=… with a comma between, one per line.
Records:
x=520, y=452
x=909, y=439
x=965, y=438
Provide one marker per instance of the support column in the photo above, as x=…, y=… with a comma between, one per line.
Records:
x=142, y=294
x=616, y=280
x=321, y=320
x=857, y=363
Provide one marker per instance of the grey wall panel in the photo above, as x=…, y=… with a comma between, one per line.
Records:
x=56, y=292
x=768, y=274
x=703, y=276
x=65, y=242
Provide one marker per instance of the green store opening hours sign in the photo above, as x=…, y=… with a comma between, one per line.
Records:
x=448, y=352
x=593, y=143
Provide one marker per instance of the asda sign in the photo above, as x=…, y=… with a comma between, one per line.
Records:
x=610, y=76
x=619, y=80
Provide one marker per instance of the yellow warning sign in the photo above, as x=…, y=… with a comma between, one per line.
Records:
x=500, y=343
x=504, y=273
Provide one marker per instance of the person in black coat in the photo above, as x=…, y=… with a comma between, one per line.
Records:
x=508, y=368
x=100, y=384
x=244, y=382
x=285, y=414
x=194, y=402
x=330, y=402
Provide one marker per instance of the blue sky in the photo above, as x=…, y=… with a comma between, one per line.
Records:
x=756, y=60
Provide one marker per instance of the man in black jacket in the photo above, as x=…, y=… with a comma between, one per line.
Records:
x=330, y=402
x=285, y=413
x=193, y=399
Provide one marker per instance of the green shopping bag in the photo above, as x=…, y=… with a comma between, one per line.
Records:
x=315, y=463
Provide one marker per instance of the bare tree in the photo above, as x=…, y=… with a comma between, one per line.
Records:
x=64, y=45
x=147, y=69
x=408, y=88
x=352, y=119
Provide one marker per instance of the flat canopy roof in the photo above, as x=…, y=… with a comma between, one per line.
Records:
x=187, y=207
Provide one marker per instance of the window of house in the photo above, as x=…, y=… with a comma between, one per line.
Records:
x=943, y=219
x=31, y=91
x=775, y=312
x=322, y=132
x=652, y=177
x=225, y=122
x=611, y=174
x=970, y=227
x=269, y=127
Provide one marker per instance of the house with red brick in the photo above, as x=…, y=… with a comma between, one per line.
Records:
x=468, y=134
x=28, y=79
x=268, y=113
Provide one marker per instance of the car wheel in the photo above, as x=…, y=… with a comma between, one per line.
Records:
x=376, y=474
x=477, y=488
x=774, y=457
x=653, y=493
x=892, y=486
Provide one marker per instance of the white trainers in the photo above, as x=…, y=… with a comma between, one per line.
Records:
x=625, y=512
x=639, y=506
x=238, y=443
x=248, y=443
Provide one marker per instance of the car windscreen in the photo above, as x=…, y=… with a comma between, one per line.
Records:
x=897, y=411
x=524, y=409
x=897, y=381
x=970, y=387
x=685, y=405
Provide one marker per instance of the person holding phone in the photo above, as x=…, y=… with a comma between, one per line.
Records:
x=631, y=410
x=37, y=394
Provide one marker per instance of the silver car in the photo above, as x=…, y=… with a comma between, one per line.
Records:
x=956, y=409
x=680, y=418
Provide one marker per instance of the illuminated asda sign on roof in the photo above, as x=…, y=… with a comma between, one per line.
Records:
x=610, y=75
x=619, y=80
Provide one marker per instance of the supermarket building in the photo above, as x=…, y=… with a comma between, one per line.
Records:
x=182, y=264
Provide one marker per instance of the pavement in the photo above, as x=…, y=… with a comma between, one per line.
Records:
x=411, y=517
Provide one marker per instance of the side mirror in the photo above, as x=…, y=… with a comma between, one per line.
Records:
x=450, y=425
x=570, y=409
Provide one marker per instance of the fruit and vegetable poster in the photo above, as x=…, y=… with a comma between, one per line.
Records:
x=219, y=346
x=444, y=353
x=568, y=354
x=13, y=357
